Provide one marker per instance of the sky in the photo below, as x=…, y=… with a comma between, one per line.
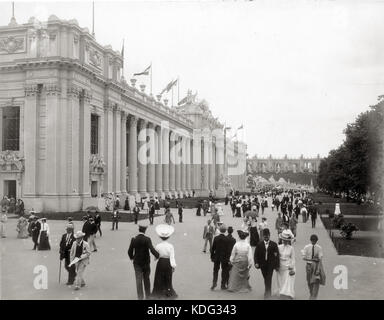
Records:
x=293, y=73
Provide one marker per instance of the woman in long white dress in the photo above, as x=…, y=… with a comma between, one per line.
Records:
x=241, y=261
x=285, y=277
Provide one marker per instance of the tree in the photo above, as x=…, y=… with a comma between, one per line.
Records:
x=357, y=165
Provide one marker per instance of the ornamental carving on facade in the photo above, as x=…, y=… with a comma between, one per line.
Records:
x=73, y=91
x=224, y=181
x=52, y=89
x=11, y=161
x=95, y=58
x=11, y=45
x=96, y=164
x=87, y=96
x=31, y=90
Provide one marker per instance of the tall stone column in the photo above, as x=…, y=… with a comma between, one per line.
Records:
x=165, y=159
x=132, y=156
x=158, y=160
x=30, y=139
x=183, y=163
x=151, y=159
x=85, y=143
x=117, y=149
x=188, y=165
x=73, y=139
x=207, y=158
x=212, y=166
x=108, y=147
x=197, y=162
x=220, y=165
x=142, y=158
x=178, y=164
x=52, y=178
x=123, y=163
x=172, y=160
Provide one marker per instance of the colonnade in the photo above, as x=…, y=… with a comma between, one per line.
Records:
x=147, y=159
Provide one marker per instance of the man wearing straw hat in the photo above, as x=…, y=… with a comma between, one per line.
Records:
x=80, y=253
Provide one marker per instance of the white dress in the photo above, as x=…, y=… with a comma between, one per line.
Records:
x=285, y=282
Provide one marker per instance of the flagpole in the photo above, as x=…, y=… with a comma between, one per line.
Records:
x=151, y=78
x=172, y=96
x=178, y=90
x=93, y=18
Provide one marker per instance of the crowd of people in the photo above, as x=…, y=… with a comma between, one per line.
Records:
x=254, y=247
x=235, y=258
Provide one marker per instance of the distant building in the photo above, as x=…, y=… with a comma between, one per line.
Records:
x=73, y=129
x=283, y=165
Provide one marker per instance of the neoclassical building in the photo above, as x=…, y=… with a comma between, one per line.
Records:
x=73, y=129
x=283, y=165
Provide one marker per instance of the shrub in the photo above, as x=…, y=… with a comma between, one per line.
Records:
x=348, y=229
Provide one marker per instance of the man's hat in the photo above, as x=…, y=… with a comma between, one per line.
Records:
x=142, y=228
x=164, y=230
x=230, y=230
x=79, y=234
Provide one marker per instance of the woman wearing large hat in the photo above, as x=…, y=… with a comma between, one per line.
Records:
x=285, y=276
x=241, y=261
x=162, y=288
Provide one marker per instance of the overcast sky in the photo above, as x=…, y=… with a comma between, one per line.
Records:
x=294, y=73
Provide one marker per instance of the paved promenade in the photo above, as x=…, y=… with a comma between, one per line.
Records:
x=110, y=274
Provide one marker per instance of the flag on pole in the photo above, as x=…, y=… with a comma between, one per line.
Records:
x=241, y=127
x=184, y=100
x=169, y=86
x=144, y=73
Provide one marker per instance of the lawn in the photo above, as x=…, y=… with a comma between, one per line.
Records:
x=360, y=245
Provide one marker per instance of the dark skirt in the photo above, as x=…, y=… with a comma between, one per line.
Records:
x=238, y=212
x=162, y=287
x=254, y=236
x=44, y=241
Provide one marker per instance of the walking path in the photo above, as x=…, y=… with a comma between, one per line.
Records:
x=110, y=274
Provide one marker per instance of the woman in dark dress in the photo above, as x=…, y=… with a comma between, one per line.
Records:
x=238, y=210
x=253, y=234
x=198, y=211
x=162, y=287
x=126, y=204
x=44, y=236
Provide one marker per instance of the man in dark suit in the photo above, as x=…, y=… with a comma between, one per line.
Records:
x=136, y=211
x=219, y=256
x=138, y=252
x=66, y=242
x=231, y=243
x=115, y=219
x=267, y=259
x=180, y=211
x=151, y=213
x=87, y=228
x=35, y=231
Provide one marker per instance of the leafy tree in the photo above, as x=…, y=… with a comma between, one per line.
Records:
x=357, y=165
